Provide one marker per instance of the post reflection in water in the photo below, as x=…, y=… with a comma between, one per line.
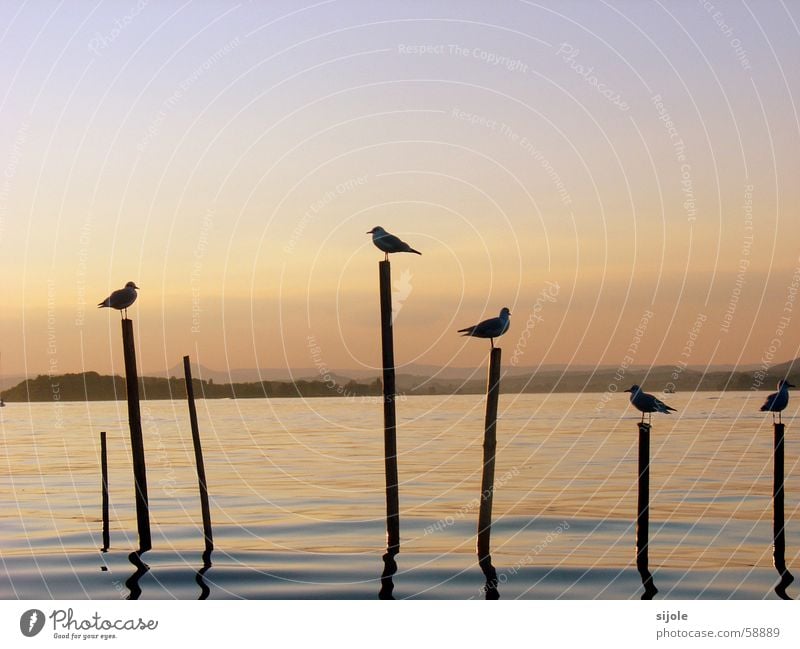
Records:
x=650, y=589
x=205, y=591
x=490, y=587
x=387, y=577
x=132, y=583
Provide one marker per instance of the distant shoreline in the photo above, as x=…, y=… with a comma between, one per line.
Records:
x=91, y=386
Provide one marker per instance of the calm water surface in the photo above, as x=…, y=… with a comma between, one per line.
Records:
x=297, y=499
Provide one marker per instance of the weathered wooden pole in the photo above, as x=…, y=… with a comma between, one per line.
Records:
x=137, y=443
x=643, y=512
x=778, y=520
x=489, y=452
x=104, y=474
x=389, y=417
x=198, y=456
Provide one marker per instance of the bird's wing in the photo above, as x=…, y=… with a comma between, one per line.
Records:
x=768, y=404
x=393, y=242
x=659, y=405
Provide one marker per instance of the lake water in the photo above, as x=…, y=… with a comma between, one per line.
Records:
x=298, y=505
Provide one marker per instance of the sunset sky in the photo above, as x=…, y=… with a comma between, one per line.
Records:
x=643, y=157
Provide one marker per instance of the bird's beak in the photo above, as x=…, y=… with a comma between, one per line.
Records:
x=136, y=287
x=628, y=390
x=370, y=231
x=790, y=385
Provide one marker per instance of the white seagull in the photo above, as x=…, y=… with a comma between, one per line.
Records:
x=121, y=299
x=387, y=243
x=647, y=403
x=777, y=401
x=491, y=328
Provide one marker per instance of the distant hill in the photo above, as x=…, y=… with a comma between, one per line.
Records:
x=91, y=386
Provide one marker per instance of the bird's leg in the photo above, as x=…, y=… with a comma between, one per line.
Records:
x=386, y=257
x=492, y=341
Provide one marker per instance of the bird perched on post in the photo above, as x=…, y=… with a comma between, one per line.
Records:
x=491, y=328
x=647, y=403
x=121, y=299
x=387, y=243
x=777, y=401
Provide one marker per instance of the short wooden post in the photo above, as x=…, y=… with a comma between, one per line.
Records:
x=198, y=456
x=389, y=417
x=489, y=452
x=104, y=474
x=137, y=443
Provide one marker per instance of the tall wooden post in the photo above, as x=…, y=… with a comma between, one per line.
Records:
x=104, y=474
x=778, y=520
x=643, y=513
x=389, y=417
x=489, y=452
x=137, y=444
x=198, y=456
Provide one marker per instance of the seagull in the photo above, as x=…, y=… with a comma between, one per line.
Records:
x=121, y=299
x=491, y=328
x=777, y=401
x=647, y=403
x=388, y=242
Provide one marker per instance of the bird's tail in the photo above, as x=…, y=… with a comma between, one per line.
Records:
x=414, y=251
x=102, y=304
x=467, y=332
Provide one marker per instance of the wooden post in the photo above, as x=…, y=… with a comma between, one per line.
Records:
x=778, y=520
x=198, y=456
x=643, y=512
x=104, y=474
x=489, y=451
x=389, y=417
x=137, y=444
